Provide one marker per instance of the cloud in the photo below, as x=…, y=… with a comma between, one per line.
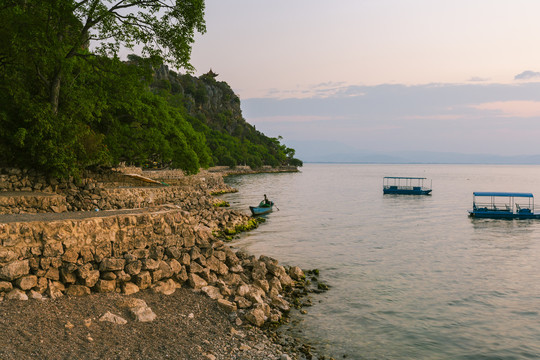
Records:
x=478, y=79
x=527, y=75
x=518, y=109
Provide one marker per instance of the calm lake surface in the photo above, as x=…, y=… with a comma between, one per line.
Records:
x=412, y=277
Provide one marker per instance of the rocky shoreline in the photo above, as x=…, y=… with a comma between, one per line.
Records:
x=183, y=248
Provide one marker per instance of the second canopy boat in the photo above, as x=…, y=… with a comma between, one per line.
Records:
x=405, y=185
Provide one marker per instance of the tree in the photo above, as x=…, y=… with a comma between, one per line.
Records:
x=49, y=34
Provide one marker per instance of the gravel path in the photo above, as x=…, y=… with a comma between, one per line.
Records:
x=188, y=326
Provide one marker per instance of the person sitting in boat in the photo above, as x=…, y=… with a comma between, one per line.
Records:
x=265, y=202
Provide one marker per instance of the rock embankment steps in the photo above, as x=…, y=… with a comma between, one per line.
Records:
x=105, y=235
x=168, y=245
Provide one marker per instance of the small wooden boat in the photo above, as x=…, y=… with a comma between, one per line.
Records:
x=503, y=205
x=400, y=185
x=263, y=208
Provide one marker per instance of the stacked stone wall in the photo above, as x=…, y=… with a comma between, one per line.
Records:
x=161, y=250
x=28, y=202
x=26, y=192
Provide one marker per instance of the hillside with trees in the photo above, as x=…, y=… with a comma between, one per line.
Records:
x=67, y=101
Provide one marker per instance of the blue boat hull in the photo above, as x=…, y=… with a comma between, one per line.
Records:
x=257, y=210
x=406, y=192
x=502, y=215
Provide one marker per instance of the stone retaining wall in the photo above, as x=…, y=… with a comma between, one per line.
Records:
x=96, y=193
x=125, y=253
x=30, y=202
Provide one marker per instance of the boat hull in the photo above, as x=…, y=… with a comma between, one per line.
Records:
x=257, y=210
x=407, y=191
x=502, y=215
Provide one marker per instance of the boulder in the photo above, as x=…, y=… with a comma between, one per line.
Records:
x=256, y=317
x=143, y=280
x=296, y=273
x=14, y=270
x=129, y=288
x=143, y=313
x=134, y=267
x=165, y=287
x=212, y=292
x=227, y=305
x=78, y=290
x=196, y=282
x=27, y=282
x=112, y=264
x=104, y=286
x=16, y=294
x=115, y=319
x=5, y=286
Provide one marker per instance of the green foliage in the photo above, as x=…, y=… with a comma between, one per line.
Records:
x=64, y=108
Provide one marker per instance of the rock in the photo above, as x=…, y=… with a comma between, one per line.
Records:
x=236, y=269
x=5, y=286
x=256, y=317
x=286, y=280
x=129, y=288
x=27, y=282
x=14, y=270
x=150, y=264
x=54, y=289
x=143, y=280
x=255, y=294
x=227, y=305
x=196, y=282
x=212, y=292
x=108, y=275
x=70, y=256
x=59, y=208
x=16, y=294
x=78, y=290
x=296, y=273
x=32, y=294
x=104, y=286
x=115, y=319
x=259, y=271
x=263, y=284
x=242, y=290
x=132, y=303
x=275, y=316
x=195, y=268
x=143, y=313
x=88, y=275
x=175, y=266
x=242, y=302
x=134, y=267
x=165, y=287
x=166, y=270
x=111, y=264
x=280, y=303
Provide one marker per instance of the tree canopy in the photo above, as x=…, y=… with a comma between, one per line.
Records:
x=68, y=102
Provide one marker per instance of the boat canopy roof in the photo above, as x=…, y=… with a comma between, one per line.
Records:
x=404, y=177
x=506, y=194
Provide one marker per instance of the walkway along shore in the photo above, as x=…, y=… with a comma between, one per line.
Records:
x=116, y=268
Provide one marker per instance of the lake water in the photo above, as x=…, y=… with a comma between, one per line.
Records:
x=412, y=277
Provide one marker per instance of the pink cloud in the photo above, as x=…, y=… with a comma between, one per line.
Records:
x=522, y=109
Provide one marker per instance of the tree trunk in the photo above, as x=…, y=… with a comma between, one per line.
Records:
x=55, y=92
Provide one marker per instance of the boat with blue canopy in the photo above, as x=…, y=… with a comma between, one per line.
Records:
x=401, y=185
x=503, y=205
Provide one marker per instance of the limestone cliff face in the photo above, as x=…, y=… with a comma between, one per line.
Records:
x=212, y=101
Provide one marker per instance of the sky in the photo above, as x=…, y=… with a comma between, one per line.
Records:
x=381, y=75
